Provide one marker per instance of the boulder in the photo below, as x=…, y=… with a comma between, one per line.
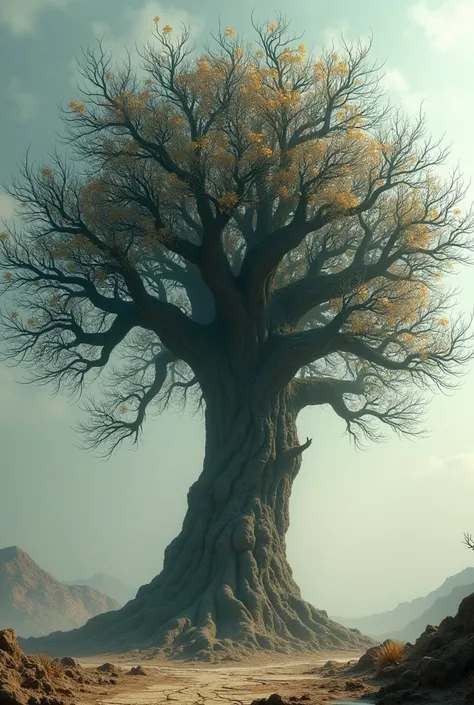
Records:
x=464, y=620
x=137, y=671
x=68, y=662
x=109, y=668
x=434, y=671
x=10, y=653
x=354, y=685
x=366, y=661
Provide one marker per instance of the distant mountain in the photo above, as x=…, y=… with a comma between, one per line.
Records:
x=108, y=585
x=34, y=603
x=446, y=606
x=396, y=620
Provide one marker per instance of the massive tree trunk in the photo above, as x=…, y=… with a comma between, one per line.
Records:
x=226, y=585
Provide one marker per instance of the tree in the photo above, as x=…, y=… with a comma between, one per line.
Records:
x=257, y=228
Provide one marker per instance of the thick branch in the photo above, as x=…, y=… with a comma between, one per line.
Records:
x=323, y=390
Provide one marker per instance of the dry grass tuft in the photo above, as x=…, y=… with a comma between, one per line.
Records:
x=389, y=654
x=53, y=668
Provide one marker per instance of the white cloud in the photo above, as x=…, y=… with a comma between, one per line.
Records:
x=26, y=103
x=395, y=80
x=397, y=85
x=7, y=206
x=20, y=16
x=138, y=27
x=449, y=24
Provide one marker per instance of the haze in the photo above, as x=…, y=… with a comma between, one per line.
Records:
x=368, y=529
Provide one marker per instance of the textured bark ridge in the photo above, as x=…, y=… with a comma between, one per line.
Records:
x=226, y=587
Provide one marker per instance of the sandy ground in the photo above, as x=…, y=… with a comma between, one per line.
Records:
x=202, y=684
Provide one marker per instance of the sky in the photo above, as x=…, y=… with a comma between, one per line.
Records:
x=370, y=528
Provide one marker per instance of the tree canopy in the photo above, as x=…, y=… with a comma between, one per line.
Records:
x=248, y=201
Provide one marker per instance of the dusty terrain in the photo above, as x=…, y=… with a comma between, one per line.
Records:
x=194, y=684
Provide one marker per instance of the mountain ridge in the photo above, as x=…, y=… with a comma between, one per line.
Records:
x=34, y=603
x=107, y=585
x=396, y=620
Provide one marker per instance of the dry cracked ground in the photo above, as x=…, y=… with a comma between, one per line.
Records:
x=296, y=681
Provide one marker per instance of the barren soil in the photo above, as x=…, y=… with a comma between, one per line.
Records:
x=201, y=684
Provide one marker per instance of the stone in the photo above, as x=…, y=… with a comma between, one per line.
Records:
x=353, y=685
x=137, y=671
x=388, y=672
x=330, y=664
x=274, y=699
x=409, y=677
x=67, y=662
x=366, y=661
x=434, y=671
x=109, y=668
x=464, y=620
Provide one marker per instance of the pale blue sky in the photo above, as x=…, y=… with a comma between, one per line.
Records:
x=369, y=529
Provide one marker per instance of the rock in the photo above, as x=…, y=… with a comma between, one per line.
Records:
x=11, y=695
x=353, y=685
x=388, y=672
x=9, y=643
x=434, y=671
x=366, y=661
x=464, y=620
x=137, y=671
x=10, y=653
x=330, y=664
x=66, y=691
x=399, y=698
x=109, y=668
x=67, y=662
x=274, y=699
x=459, y=653
x=409, y=678
x=31, y=683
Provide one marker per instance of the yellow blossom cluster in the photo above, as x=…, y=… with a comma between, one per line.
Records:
x=339, y=196
x=76, y=107
x=228, y=201
x=419, y=236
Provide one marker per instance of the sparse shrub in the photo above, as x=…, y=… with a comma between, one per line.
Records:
x=52, y=667
x=389, y=654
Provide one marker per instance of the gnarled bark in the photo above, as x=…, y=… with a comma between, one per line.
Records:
x=226, y=586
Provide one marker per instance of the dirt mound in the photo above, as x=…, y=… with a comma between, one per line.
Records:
x=441, y=658
x=40, y=680
x=33, y=603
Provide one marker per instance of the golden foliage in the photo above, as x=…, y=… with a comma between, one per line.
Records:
x=228, y=201
x=76, y=107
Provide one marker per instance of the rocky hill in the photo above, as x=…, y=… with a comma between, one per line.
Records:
x=445, y=606
x=394, y=622
x=108, y=585
x=34, y=603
